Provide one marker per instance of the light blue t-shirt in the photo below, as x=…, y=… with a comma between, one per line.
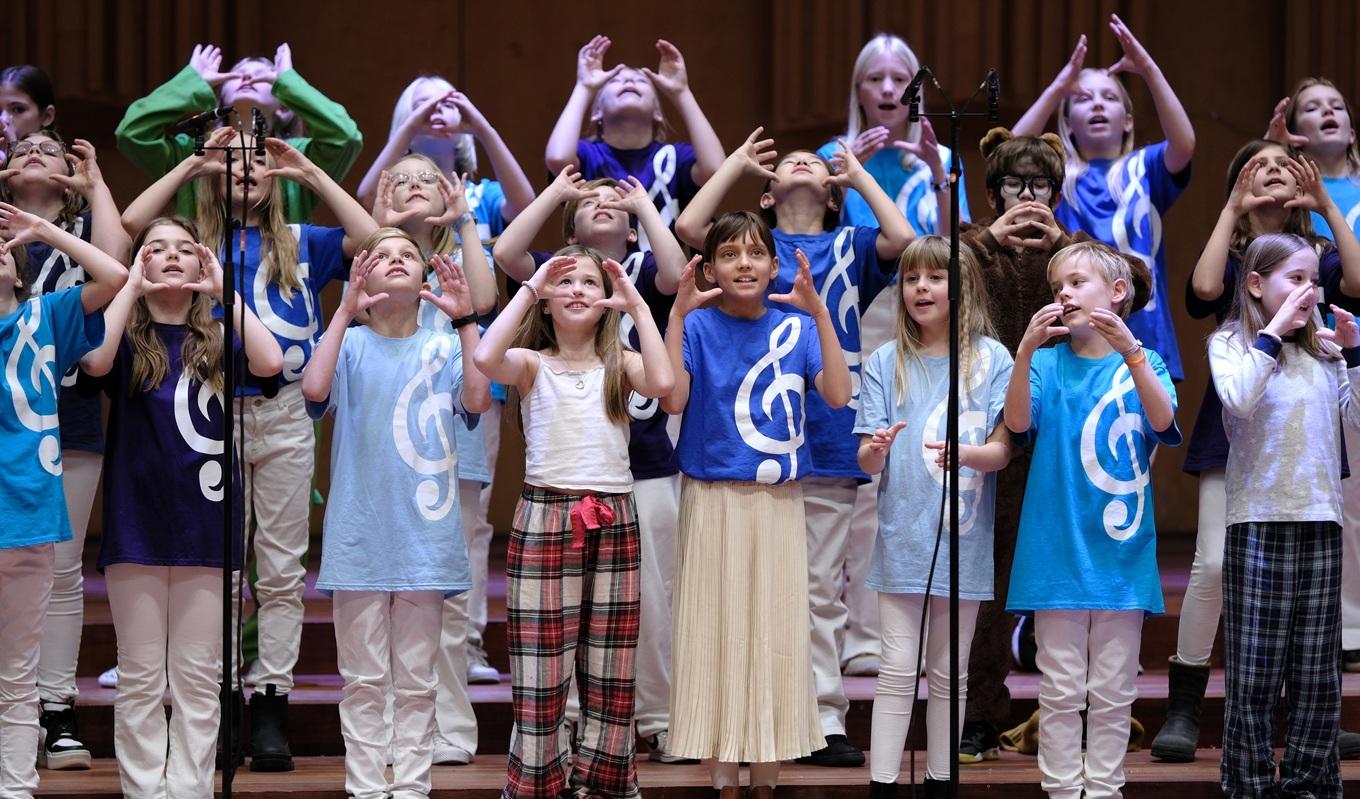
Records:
x=295, y=321
x=1131, y=222
x=472, y=463
x=909, y=493
x=392, y=518
x=909, y=188
x=486, y=201
x=848, y=274
x=1087, y=537
x=1345, y=192
x=40, y=341
x=745, y=418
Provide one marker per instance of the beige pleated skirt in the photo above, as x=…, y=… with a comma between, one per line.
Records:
x=742, y=687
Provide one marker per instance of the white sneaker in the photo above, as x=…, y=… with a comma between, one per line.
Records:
x=865, y=665
x=109, y=679
x=479, y=672
x=659, y=753
x=446, y=754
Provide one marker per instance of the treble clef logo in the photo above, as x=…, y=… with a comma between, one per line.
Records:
x=927, y=209
x=663, y=172
x=289, y=333
x=1126, y=476
x=1133, y=199
x=434, y=496
x=210, y=473
x=782, y=387
x=41, y=379
x=639, y=407
x=972, y=431
x=847, y=307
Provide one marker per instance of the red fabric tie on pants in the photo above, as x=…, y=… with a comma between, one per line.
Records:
x=588, y=514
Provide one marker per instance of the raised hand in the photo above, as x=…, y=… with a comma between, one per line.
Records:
x=454, y=192
x=454, y=297
x=1278, y=130
x=428, y=117
x=357, y=300
x=1041, y=328
x=548, y=279
x=206, y=60
x=625, y=296
x=670, y=76
x=1312, y=193
x=471, y=119
x=210, y=282
x=1243, y=199
x=804, y=294
x=1347, y=333
x=867, y=144
x=289, y=162
x=7, y=137
x=1046, y=227
x=590, y=71
x=1068, y=79
x=384, y=204
x=755, y=156
x=1294, y=313
x=927, y=149
x=1135, y=58
x=846, y=168
x=631, y=196
x=18, y=227
x=687, y=294
x=882, y=439
x=85, y=175
x=1112, y=328
x=137, y=282
x=569, y=185
x=213, y=161
x=283, y=59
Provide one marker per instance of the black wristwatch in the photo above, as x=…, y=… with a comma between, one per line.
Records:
x=463, y=320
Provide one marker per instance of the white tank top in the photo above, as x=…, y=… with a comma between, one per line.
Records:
x=569, y=441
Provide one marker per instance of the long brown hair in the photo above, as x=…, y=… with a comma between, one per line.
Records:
x=201, y=354
x=1299, y=222
x=536, y=332
x=1247, y=316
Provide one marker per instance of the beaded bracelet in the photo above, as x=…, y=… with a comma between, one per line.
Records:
x=533, y=291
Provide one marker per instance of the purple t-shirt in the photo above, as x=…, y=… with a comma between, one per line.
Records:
x=49, y=270
x=163, y=466
x=1208, y=447
x=664, y=168
x=650, y=452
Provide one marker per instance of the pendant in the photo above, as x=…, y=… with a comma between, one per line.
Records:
x=580, y=383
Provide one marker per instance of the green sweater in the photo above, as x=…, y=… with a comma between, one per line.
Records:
x=334, y=143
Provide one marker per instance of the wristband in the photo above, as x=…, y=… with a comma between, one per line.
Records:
x=533, y=291
x=941, y=186
x=1137, y=360
x=463, y=321
x=463, y=219
x=1137, y=345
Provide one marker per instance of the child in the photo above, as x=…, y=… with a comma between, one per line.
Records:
x=743, y=686
x=1112, y=191
x=333, y=141
x=161, y=543
x=1278, y=375
x=572, y=567
x=906, y=383
x=27, y=105
x=627, y=128
x=67, y=189
x=1269, y=192
x=598, y=214
x=285, y=267
x=41, y=338
x=851, y=265
x=1086, y=561
x=393, y=387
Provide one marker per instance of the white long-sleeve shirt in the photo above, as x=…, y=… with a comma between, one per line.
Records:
x=1283, y=426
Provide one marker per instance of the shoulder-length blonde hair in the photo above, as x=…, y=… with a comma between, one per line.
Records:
x=1076, y=162
x=856, y=121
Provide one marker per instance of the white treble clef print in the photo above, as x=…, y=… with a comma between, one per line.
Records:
x=1123, y=514
x=41, y=374
x=845, y=311
x=210, y=474
x=288, y=333
x=783, y=339
x=640, y=408
x=435, y=497
x=973, y=431
x=663, y=172
x=1133, y=209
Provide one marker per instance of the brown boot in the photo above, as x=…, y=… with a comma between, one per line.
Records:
x=762, y=792
x=732, y=792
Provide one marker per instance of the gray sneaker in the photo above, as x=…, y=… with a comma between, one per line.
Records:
x=478, y=671
x=659, y=753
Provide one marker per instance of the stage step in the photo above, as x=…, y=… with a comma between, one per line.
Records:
x=1011, y=777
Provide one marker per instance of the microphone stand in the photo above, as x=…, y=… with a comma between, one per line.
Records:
x=956, y=116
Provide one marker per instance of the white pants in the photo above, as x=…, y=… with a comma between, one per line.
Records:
x=828, y=504
x=861, y=602
x=454, y=717
x=1203, y=602
x=479, y=539
x=66, y=607
x=1350, y=545
x=277, y=465
x=896, y=695
x=387, y=641
x=25, y=583
x=168, y=620
x=1088, y=658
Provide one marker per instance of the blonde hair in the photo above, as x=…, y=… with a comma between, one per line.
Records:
x=1076, y=162
x=883, y=43
x=201, y=353
x=278, y=245
x=536, y=332
x=456, y=154
x=443, y=241
x=283, y=123
x=1291, y=113
x=1111, y=266
x=926, y=254
x=595, y=131
x=1247, y=317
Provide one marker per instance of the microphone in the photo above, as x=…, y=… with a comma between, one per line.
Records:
x=912, y=96
x=260, y=129
x=198, y=122
x=993, y=95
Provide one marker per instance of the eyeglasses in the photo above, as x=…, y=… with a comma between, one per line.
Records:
x=45, y=147
x=423, y=178
x=1040, y=187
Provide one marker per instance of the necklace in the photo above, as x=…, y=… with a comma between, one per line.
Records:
x=573, y=370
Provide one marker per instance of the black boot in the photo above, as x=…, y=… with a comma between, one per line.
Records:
x=269, y=731
x=1179, y=736
x=882, y=790
x=232, y=714
x=936, y=789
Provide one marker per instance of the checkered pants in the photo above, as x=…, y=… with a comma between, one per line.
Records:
x=1282, y=628
x=568, y=604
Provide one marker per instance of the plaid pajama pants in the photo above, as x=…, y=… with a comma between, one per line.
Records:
x=1282, y=628
x=570, y=604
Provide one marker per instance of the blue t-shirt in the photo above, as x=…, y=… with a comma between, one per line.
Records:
x=49, y=270
x=848, y=273
x=1130, y=220
x=665, y=169
x=745, y=419
x=650, y=452
x=295, y=321
x=486, y=201
x=1345, y=192
x=909, y=493
x=909, y=188
x=1087, y=537
x=39, y=342
x=392, y=518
